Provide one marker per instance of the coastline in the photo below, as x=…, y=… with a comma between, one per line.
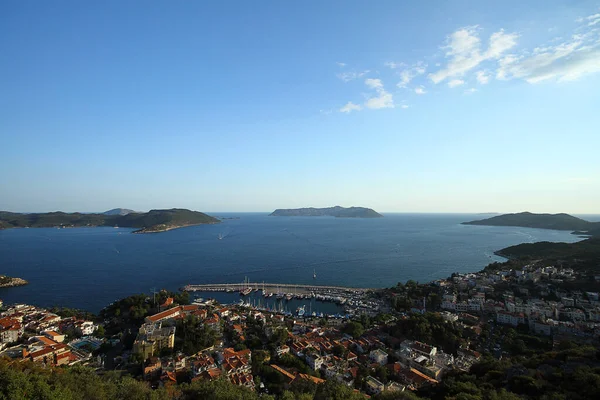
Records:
x=170, y=228
x=7, y=281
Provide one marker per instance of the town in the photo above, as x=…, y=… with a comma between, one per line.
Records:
x=409, y=338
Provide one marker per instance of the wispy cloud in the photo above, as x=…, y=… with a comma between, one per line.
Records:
x=463, y=49
x=349, y=107
x=383, y=99
x=470, y=57
x=351, y=75
x=341, y=64
x=409, y=73
x=566, y=61
x=404, y=106
x=590, y=20
x=482, y=77
x=455, y=82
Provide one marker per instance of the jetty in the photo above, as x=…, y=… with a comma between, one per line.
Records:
x=272, y=288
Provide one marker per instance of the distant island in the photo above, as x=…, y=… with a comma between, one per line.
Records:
x=562, y=222
x=7, y=281
x=118, y=211
x=337, y=211
x=150, y=222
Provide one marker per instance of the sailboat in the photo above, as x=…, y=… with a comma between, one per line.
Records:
x=220, y=236
x=314, y=274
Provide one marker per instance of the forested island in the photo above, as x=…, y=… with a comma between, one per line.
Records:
x=563, y=222
x=150, y=222
x=337, y=211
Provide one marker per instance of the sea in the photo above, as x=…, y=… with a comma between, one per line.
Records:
x=88, y=268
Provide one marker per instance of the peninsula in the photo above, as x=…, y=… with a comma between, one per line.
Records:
x=563, y=222
x=7, y=281
x=337, y=211
x=150, y=222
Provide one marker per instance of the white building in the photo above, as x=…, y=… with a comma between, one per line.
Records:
x=378, y=356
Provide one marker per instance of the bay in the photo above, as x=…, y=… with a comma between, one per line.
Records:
x=90, y=267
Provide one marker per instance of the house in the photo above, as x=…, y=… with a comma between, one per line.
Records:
x=314, y=361
x=55, y=336
x=378, y=356
x=374, y=386
x=85, y=328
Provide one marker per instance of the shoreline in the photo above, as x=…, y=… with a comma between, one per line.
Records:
x=7, y=281
x=144, y=231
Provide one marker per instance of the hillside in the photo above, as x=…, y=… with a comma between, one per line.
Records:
x=337, y=211
x=118, y=211
x=583, y=255
x=563, y=222
x=152, y=221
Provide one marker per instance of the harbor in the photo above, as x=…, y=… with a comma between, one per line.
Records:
x=302, y=300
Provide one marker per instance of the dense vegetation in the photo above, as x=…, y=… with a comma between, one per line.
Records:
x=337, y=211
x=154, y=220
x=582, y=256
x=563, y=222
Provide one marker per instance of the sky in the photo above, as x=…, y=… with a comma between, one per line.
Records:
x=437, y=106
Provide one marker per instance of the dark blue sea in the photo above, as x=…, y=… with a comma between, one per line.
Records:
x=90, y=267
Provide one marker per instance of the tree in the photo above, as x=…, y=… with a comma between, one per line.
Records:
x=354, y=329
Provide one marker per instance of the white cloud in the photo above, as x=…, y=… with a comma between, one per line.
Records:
x=374, y=83
x=351, y=75
x=465, y=53
x=341, y=64
x=470, y=91
x=383, y=99
x=591, y=19
x=404, y=106
x=420, y=90
x=394, y=65
x=482, y=77
x=455, y=82
x=566, y=61
x=349, y=107
x=325, y=112
x=408, y=74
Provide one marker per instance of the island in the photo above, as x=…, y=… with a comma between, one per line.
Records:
x=337, y=211
x=151, y=222
x=7, y=281
x=563, y=222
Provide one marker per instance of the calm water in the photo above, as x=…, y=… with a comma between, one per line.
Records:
x=90, y=267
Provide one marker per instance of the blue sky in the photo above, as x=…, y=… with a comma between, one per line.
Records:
x=461, y=106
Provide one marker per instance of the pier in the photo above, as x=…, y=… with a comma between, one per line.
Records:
x=273, y=288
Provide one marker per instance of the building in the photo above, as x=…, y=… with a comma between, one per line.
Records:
x=314, y=361
x=373, y=386
x=152, y=337
x=378, y=356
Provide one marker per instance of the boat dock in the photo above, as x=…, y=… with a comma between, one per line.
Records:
x=272, y=288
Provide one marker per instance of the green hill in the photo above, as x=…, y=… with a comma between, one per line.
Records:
x=152, y=221
x=337, y=211
x=563, y=222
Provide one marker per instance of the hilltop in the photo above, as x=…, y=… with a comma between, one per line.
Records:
x=337, y=211
x=152, y=221
x=563, y=222
x=118, y=211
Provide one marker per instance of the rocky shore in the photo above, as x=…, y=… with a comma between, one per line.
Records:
x=7, y=281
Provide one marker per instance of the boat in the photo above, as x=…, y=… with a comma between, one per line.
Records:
x=246, y=291
x=220, y=237
x=288, y=296
x=300, y=311
x=314, y=274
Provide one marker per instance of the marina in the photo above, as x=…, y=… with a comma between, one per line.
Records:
x=301, y=300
